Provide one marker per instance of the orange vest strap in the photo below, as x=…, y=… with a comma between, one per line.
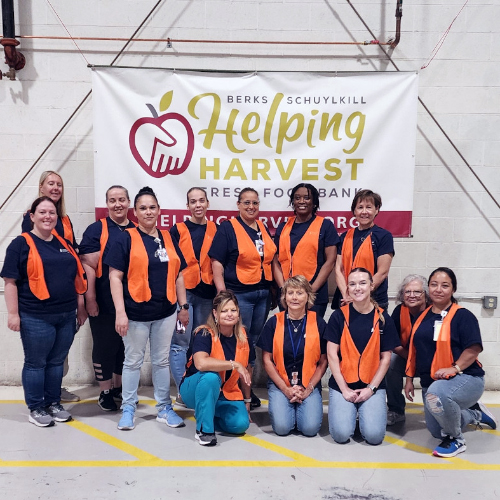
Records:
x=304, y=260
x=196, y=271
x=80, y=280
x=249, y=265
x=103, y=240
x=312, y=348
x=405, y=325
x=356, y=367
x=68, y=230
x=364, y=257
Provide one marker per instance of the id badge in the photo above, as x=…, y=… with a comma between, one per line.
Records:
x=295, y=378
x=162, y=254
x=437, y=329
x=259, y=245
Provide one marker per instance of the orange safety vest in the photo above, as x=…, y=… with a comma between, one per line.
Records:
x=196, y=271
x=405, y=325
x=304, y=260
x=68, y=230
x=230, y=387
x=36, y=274
x=443, y=357
x=364, y=257
x=312, y=349
x=138, y=278
x=249, y=265
x=357, y=367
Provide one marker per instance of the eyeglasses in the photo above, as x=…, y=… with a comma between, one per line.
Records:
x=416, y=293
x=248, y=203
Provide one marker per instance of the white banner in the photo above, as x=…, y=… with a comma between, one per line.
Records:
x=173, y=130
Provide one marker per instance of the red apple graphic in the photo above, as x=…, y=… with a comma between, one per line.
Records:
x=163, y=144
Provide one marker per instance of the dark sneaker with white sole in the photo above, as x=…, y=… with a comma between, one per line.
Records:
x=205, y=439
x=449, y=447
x=106, y=401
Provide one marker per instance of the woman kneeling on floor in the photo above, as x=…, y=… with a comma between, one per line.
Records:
x=294, y=357
x=444, y=346
x=217, y=383
x=360, y=338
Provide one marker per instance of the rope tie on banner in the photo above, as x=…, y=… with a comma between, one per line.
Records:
x=67, y=31
x=438, y=46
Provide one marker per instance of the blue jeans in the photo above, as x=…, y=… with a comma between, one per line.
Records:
x=199, y=310
x=254, y=308
x=394, y=384
x=372, y=415
x=159, y=333
x=46, y=342
x=285, y=416
x=447, y=403
x=201, y=392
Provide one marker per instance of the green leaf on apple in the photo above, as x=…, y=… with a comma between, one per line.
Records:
x=166, y=100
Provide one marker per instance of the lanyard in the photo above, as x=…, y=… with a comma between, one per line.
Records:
x=295, y=351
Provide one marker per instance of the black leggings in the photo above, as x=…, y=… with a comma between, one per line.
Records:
x=108, y=352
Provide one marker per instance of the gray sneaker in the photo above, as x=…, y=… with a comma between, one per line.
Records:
x=58, y=413
x=394, y=417
x=41, y=418
x=68, y=397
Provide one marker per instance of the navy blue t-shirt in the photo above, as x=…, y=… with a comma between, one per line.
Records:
x=225, y=250
x=158, y=307
x=396, y=317
x=91, y=244
x=464, y=332
x=59, y=268
x=27, y=226
x=291, y=342
x=197, y=232
x=360, y=326
x=202, y=342
x=382, y=244
x=328, y=237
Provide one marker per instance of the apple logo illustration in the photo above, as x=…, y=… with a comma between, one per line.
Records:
x=163, y=144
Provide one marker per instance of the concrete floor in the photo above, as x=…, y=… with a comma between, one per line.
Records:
x=90, y=458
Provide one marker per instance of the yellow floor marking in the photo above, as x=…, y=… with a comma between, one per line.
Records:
x=112, y=441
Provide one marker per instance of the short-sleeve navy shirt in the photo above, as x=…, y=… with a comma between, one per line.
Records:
x=90, y=244
x=464, y=332
x=197, y=232
x=328, y=237
x=59, y=268
x=225, y=250
x=360, y=326
x=158, y=307
x=291, y=341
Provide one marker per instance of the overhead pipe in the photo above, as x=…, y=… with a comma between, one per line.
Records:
x=13, y=58
x=399, y=15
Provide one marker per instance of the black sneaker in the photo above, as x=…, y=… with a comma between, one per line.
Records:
x=255, y=403
x=116, y=392
x=106, y=401
x=205, y=439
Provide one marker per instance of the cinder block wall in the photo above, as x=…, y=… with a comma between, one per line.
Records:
x=455, y=222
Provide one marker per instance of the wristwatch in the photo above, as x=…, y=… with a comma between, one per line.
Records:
x=184, y=306
x=374, y=388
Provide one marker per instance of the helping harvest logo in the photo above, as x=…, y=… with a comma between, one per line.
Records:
x=162, y=144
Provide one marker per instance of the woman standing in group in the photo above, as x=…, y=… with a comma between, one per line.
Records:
x=44, y=283
x=360, y=339
x=242, y=253
x=194, y=237
x=307, y=245
x=146, y=284
x=412, y=299
x=368, y=246
x=294, y=356
x=444, y=346
x=108, y=351
x=217, y=383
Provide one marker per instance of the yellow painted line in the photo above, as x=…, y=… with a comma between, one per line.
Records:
x=112, y=441
x=277, y=449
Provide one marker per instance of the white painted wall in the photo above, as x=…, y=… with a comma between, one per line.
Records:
x=455, y=222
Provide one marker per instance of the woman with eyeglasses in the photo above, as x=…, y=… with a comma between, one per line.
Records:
x=242, y=253
x=306, y=245
x=444, y=346
x=412, y=299
x=146, y=285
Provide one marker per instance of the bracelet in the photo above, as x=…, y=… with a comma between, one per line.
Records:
x=310, y=386
x=459, y=370
x=247, y=400
x=232, y=364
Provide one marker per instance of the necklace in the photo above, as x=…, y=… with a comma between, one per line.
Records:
x=296, y=328
x=121, y=228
